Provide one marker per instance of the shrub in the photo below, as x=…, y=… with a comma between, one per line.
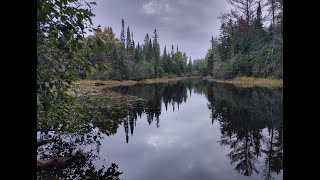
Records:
x=240, y=65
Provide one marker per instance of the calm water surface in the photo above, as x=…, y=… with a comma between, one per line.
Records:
x=196, y=130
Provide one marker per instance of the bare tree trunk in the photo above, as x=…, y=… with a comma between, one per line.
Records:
x=273, y=12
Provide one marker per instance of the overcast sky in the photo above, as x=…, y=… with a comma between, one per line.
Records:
x=186, y=23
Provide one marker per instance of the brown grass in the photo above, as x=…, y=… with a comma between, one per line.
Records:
x=166, y=80
x=248, y=82
x=89, y=85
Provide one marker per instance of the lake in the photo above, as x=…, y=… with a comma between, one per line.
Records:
x=189, y=129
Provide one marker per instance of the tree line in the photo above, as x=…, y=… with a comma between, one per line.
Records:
x=123, y=59
x=247, y=44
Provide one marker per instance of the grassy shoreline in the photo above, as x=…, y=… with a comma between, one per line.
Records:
x=247, y=82
x=89, y=85
x=243, y=82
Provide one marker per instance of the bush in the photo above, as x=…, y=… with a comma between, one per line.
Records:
x=240, y=65
x=98, y=75
x=160, y=72
x=265, y=66
x=259, y=68
x=116, y=75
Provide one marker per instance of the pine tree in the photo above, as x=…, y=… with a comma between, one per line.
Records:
x=211, y=57
x=132, y=44
x=258, y=19
x=128, y=38
x=172, y=51
x=156, y=47
x=183, y=63
x=146, y=53
x=172, y=60
x=165, y=61
x=189, y=68
x=118, y=70
x=150, y=50
x=137, y=54
x=177, y=59
x=122, y=37
x=156, y=51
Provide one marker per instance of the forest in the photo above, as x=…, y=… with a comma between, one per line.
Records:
x=124, y=59
x=247, y=46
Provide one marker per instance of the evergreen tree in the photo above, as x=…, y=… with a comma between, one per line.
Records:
x=156, y=51
x=165, y=61
x=132, y=44
x=122, y=37
x=150, y=51
x=225, y=43
x=183, y=63
x=146, y=52
x=258, y=19
x=177, y=59
x=142, y=61
x=189, y=68
x=129, y=54
x=137, y=54
x=172, y=51
x=172, y=60
x=128, y=38
x=156, y=47
x=118, y=68
x=211, y=57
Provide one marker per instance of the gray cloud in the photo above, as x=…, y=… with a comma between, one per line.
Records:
x=186, y=23
x=155, y=7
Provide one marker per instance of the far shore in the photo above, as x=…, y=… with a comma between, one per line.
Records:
x=245, y=82
x=99, y=85
x=248, y=82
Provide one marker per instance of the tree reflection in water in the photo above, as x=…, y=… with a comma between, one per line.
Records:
x=242, y=113
x=68, y=141
x=250, y=121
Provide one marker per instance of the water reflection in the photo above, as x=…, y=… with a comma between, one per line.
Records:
x=248, y=122
x=243, y=114
x=67, y=149
x=66, y=156
x=250, y=119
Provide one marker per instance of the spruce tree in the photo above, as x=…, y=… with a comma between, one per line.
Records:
x=128, y=38
x=132, y=44
x=122, y=37
x=189, y=69
x=156, y=51
x=258, y=19
x=150, y=51
x=165, y=60
x=146, y=48
x=137, y=54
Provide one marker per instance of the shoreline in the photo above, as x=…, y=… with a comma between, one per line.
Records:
x=248, y=82
x=89, y=85
x=243, y=82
